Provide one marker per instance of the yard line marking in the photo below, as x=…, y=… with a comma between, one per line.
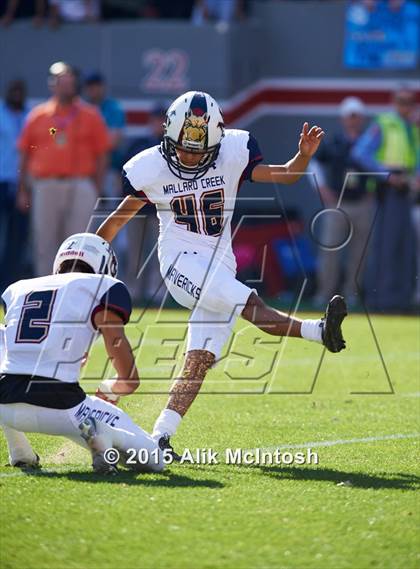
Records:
x=318, y=444
x=345, y=441
x=414, y=394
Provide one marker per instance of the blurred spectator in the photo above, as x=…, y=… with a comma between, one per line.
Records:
x=114, y=117
x=155, y=127
x=391, y=146
x=63, y=147
x=178, y=9
x=144, y=280
x=116, y=9
x=226, y=11
x=13, y=224
x=27, y=9
x=334, y=158
x=74, y=11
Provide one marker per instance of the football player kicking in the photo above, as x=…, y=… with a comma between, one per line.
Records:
x=51, y=322
x=193, y=178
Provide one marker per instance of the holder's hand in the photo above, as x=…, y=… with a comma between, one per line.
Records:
x=106, y=393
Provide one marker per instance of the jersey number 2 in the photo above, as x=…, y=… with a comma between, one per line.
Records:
x=211, y=207
x=35, y=318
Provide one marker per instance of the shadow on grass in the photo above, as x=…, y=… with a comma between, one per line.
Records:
x=128, y=478
x=396, y=481
x=380, y=481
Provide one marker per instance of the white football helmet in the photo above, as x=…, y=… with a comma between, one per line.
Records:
x=194, y=122
x=92, y=250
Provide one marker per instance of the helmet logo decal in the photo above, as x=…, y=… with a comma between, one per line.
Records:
x=195, y=128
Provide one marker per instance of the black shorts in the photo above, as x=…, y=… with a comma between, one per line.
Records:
x=41, y=391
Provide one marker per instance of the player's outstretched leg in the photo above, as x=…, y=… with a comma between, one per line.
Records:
x=183, y=392
x=326, y=330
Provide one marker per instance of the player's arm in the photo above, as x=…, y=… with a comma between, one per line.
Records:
x=290, y=172
x=109, y=316
x=118, y=218
x=118, y=348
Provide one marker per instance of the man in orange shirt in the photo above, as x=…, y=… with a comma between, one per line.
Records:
x=64, y=147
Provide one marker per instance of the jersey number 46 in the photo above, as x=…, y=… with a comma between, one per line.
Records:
x=209, y=211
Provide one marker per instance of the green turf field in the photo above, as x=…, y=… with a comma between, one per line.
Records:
x=357, y=508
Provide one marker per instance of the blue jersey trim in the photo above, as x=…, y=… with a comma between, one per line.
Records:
x=118, y=300
x=255, y=157
x=128, y=189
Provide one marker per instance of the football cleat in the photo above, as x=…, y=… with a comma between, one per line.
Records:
x=332, y=336
x=101, y=466
x=89, y=434
x=165, y=444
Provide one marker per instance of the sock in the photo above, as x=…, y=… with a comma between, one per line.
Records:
x=312, y=330
x=167, y=422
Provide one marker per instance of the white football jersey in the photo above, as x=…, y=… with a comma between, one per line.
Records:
x=196, y=213
x=49, y=322
x=2, y=343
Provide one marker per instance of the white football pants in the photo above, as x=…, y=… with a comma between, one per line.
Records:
x=208, y=288
x=115, y=429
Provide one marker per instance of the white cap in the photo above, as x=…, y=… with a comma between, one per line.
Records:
x=352, y=106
